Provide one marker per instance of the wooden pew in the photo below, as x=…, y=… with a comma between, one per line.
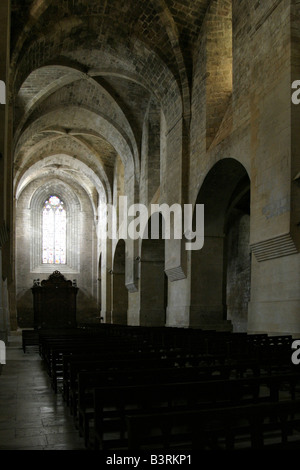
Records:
x=53, y=354
x=255, y=426
x=163, y=369
x=173, y=396
x=268, y=351
x=30, y=338
x=56, y=353
x=88, y=381
x=75, y=364
x=183, y=358
x=191, y=348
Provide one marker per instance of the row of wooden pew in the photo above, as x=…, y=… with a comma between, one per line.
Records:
x=164, y=388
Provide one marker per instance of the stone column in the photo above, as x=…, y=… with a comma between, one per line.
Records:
x=208, y=302
x=119, y=298
x=153, y=284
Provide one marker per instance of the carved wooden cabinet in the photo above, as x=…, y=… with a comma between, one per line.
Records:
x=54, y=302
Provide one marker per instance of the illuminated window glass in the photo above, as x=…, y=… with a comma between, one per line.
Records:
x=54, y=231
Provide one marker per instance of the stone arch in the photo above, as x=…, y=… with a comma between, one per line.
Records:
x=218, y=65
x=109, y=131
x=123, y=62
x=119, y=290
x=153, y=279
x=47, y=164
x=73, y=207
x=174, y=38
x=37, y=9
x=225, y=193
x=88, y=94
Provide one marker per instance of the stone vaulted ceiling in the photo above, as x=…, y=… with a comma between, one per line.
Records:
x=83, y=73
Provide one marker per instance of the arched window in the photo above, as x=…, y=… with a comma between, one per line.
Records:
x=55, y=227
x=54, y=231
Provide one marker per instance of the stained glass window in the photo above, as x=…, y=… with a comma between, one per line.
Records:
x=54, y=231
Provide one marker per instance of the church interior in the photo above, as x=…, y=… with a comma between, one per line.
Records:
x=119, y=117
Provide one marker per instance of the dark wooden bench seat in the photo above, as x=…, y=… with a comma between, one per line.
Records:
x=59, y=368
x=117, y=369
x=227, y=351
x=83, y=400
x=272, y=425
x=112, y=403
x=30, y=338
x=73, y=364
x=120, y=356
x=54, y=360
x=55, y=365
x=147, y=369
x=84, y=375
x=56, y=368
x=109, y=366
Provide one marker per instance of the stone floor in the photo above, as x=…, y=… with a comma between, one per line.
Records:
x=32, y=417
